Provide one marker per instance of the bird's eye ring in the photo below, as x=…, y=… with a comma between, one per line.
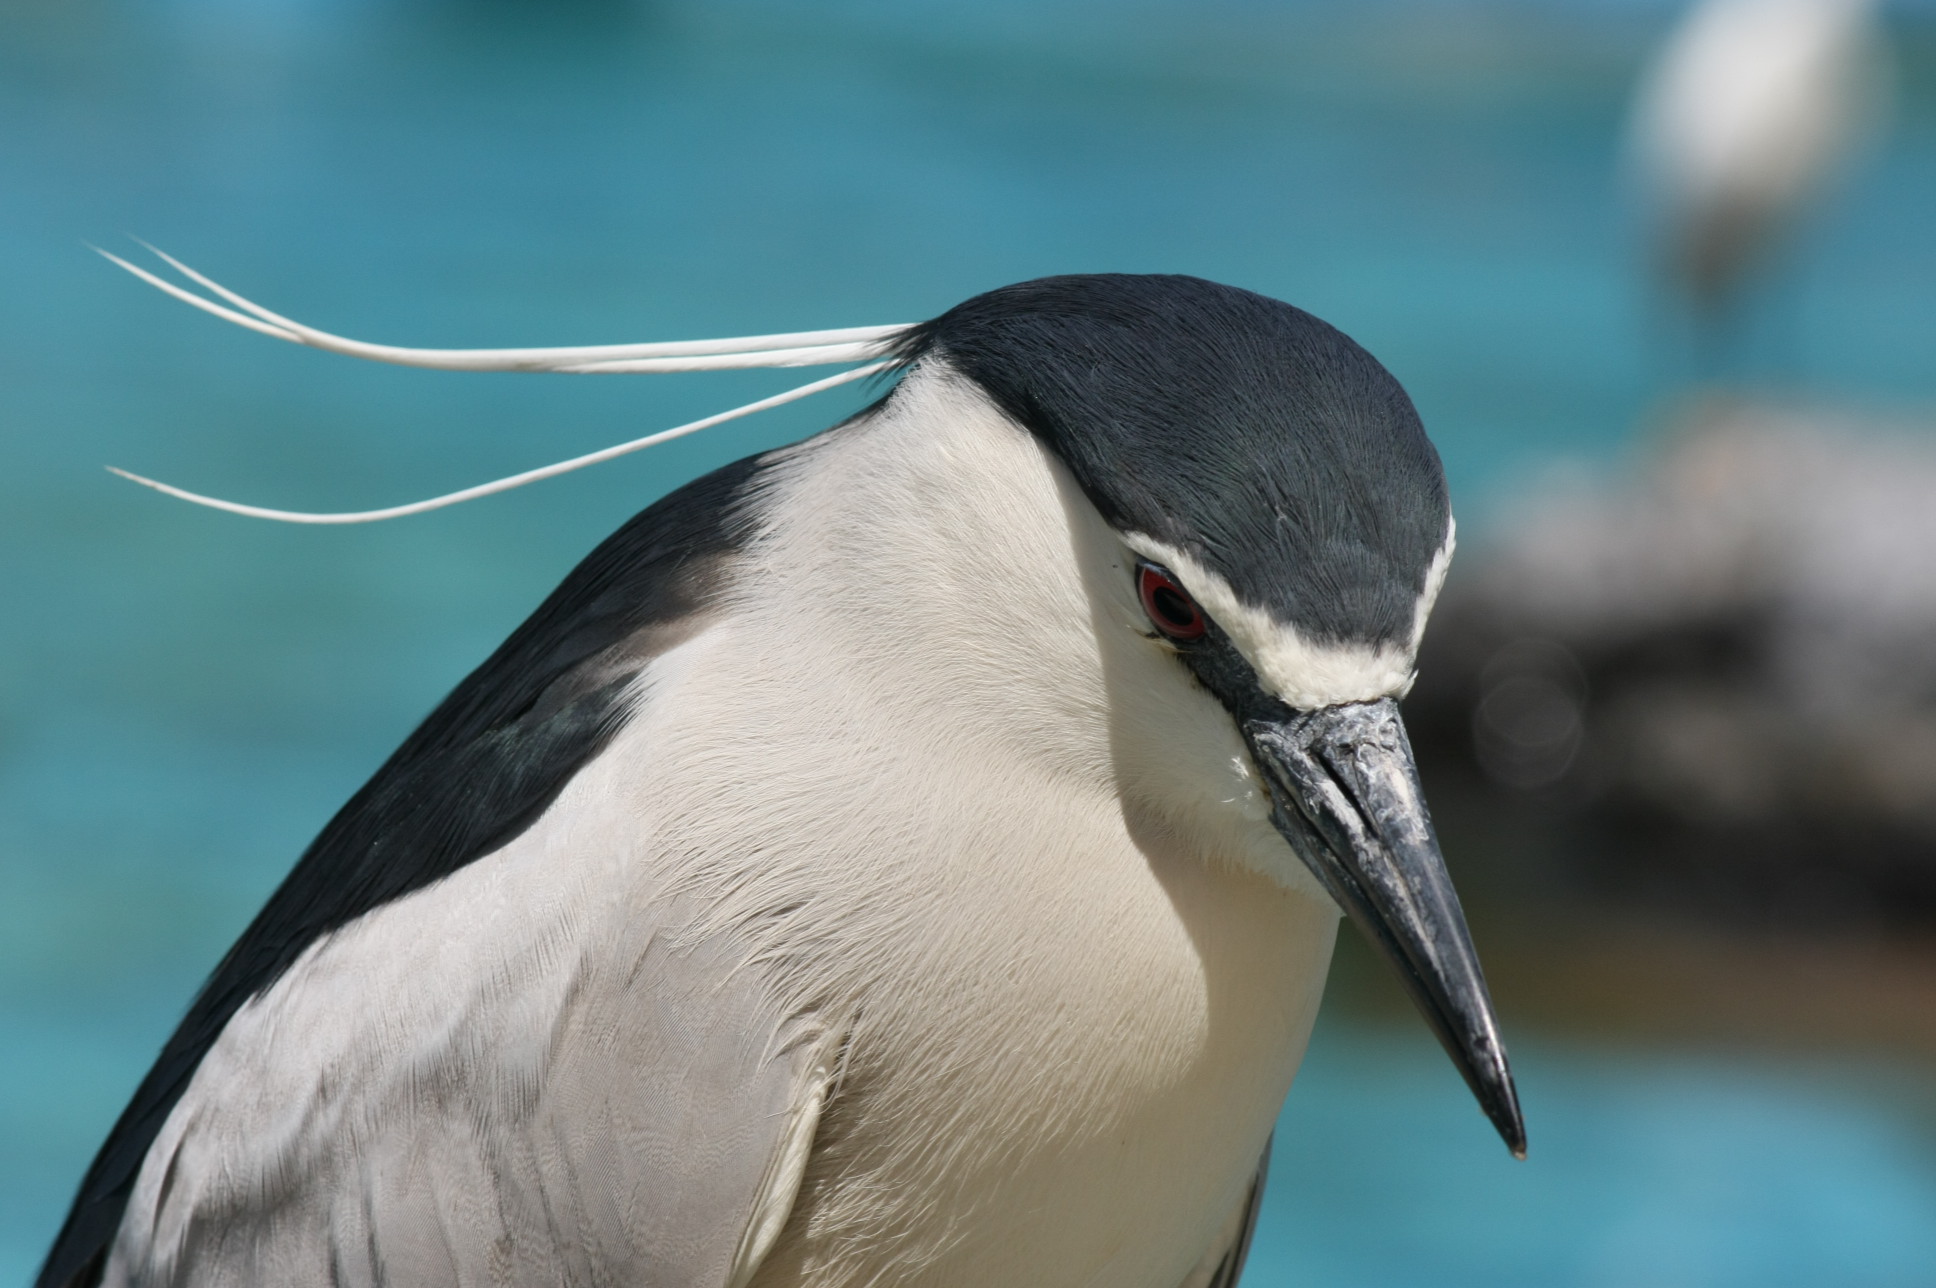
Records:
x=1169, y=606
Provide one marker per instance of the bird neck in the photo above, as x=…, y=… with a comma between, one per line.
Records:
x=944, y=565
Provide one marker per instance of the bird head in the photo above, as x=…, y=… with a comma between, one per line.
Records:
x=1282, y=529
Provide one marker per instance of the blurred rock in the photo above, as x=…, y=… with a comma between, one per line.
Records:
x=1715, y=685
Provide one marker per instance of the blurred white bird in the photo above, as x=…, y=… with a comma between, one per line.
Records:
x=1748, y=113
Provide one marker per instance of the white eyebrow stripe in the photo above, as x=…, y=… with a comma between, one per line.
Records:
x=513, y=481
x=786, y=349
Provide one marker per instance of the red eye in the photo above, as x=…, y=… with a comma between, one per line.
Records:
x=1168, y=604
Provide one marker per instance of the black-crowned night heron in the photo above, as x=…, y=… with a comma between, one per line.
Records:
x=909, y=856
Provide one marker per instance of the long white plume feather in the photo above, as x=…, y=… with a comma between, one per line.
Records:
x=514, y=480
x=866, y=344
x=788, y=349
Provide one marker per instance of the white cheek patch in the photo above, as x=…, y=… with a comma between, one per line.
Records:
x=1305, y=673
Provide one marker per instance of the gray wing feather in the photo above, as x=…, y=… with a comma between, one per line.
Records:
x=474, y=777
x=657, y=1138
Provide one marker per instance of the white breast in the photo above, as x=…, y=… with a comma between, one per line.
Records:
x=1020, y=843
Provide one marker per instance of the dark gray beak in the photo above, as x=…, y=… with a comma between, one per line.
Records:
x=1348, y=800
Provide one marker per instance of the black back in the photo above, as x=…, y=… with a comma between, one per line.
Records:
x=475, y=774
x=1246, y=432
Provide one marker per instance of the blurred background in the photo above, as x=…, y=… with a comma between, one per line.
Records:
x=1663, y=287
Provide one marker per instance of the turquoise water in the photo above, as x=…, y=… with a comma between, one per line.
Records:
x=1663, y=1172
x=184, y=697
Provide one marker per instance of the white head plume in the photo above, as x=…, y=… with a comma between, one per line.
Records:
x=870, y=345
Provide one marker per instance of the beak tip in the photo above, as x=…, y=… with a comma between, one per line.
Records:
x=1513, y=1132
x=1506, y=1118
x=1515, y=1139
